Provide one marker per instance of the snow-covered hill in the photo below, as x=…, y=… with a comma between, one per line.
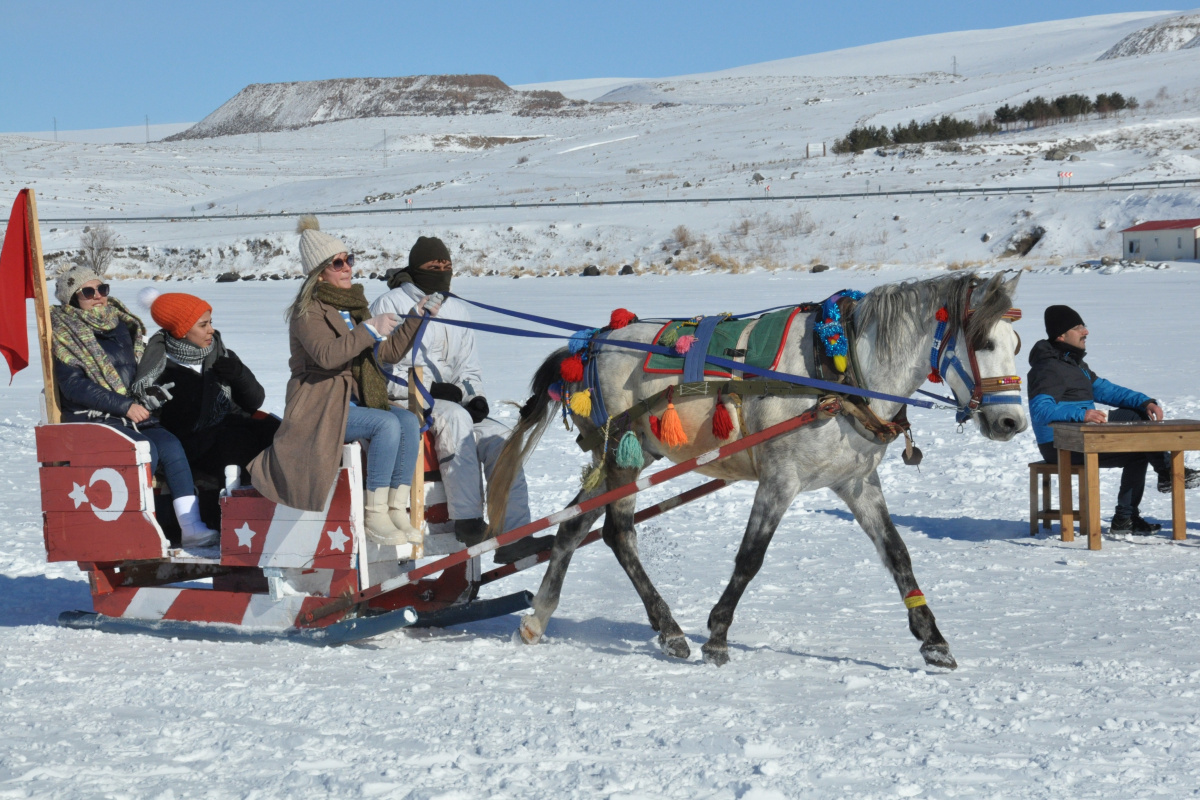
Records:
x=730, y=134
x=264, y=107
x=1170, y=34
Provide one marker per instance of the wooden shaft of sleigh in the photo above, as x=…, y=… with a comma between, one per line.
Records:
x=829, y=408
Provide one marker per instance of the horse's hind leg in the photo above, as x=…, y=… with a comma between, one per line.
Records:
x=570, y=534
x=619, y=534
x=864, y=496
x=770, y=502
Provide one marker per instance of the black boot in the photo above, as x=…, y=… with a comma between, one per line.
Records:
x=522, y=548
x=470, y=531
x=1135, y=525
x=1191, y=479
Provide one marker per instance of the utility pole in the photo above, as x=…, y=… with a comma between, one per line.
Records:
x=147, y=129
x=955, y=61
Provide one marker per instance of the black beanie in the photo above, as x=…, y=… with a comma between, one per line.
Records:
x=1060, y=319
x=427, y=248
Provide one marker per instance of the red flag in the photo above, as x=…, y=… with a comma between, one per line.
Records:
x=16, y=286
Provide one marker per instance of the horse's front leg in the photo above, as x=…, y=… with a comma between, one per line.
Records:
x=619, y=534
x=864, y=496
x=570, y=534
x=771, y=500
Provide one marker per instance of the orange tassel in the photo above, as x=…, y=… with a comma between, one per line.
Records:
x=672, y=434
x=722, y=425
x=656, y=427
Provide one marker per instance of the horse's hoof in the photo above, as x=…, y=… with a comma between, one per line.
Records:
x=674, y=646
x=529, y=629
x=715, y=654
x=938, y=655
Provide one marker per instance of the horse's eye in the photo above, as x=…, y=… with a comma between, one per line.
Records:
x=989, y=345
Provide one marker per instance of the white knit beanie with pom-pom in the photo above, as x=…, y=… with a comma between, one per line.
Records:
x=315, y=247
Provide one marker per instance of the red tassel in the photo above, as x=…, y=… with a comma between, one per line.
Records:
x=933, y=377
x=684, y=343
x=722, y=425
x=655, y=427
x=621, y=317
x=942, y=315
x=572, y=369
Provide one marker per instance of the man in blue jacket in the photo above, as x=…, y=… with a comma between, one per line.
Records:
x=1062, y=388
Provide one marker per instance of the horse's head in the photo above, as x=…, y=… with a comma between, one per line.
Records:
x=979, y=363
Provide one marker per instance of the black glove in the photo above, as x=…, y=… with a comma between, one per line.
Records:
x=477, y=408
x=445, y=391
x=227, y=368
x=158, y=396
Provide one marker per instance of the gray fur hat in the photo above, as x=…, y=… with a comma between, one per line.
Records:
x=71, y=279
x=315, y=247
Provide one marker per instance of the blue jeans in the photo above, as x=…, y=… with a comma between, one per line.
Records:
x=393, y=436
x=166, y=448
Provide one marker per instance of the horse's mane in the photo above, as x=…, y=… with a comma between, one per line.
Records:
x=901, y=311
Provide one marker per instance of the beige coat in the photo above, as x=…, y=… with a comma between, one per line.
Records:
x=302, y=463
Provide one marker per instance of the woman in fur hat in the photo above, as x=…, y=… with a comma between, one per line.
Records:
x=213, y=395
x=97, y=344
x=337, y=393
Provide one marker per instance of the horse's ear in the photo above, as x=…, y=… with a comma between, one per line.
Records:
x=1010, y=286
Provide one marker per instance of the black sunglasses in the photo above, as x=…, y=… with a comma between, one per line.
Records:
x=90, y=292
x=339, y=263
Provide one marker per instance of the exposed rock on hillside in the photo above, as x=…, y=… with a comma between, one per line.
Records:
x=263, y=107
x=1176, y=33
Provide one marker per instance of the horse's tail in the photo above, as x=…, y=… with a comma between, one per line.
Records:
x=536, y=415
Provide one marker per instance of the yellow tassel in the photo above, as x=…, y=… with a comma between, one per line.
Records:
x=592, y=478
x=581, y=403
x=839, y=363
x=671, y=429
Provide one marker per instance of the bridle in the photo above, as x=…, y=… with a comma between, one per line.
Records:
x=983, y=391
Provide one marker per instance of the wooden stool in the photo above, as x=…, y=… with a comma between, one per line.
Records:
x=1039, y=509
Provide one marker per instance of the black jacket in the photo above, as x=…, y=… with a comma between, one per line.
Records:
x=79, y=393
x=195, y=394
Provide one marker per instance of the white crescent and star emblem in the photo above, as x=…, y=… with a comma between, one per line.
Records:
x=337, y=540
x=116, y=488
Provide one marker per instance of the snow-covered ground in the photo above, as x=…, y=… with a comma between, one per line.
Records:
x=686, y=137
x=1078, y=670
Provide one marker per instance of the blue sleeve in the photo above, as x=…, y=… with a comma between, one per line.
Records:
x=75, y=386
x=1118, y=396
x=1045, y=409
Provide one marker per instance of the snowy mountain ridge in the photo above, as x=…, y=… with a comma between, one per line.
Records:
x=1175, y=33
x=267, y=107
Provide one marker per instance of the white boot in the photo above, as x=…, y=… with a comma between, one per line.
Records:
x=398, y=510
x=380, y=529
x=195, y=532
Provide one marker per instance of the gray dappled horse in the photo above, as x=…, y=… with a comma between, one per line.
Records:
x=894, y=327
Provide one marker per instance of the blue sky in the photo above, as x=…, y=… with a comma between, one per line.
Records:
x=109, y=63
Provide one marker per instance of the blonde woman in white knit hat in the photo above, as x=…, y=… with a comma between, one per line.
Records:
x=337, y=393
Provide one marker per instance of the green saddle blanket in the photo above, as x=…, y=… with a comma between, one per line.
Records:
x=763, y=348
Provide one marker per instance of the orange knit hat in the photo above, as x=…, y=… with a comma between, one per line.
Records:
x=176, y=312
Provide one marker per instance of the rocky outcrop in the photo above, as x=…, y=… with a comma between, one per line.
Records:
x=263, y=107
x=1176, y=33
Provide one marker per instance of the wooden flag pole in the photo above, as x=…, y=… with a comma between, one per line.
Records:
x=41, y=310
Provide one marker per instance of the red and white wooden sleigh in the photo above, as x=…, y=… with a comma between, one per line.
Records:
x=275, y=566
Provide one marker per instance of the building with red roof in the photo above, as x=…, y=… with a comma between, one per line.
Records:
x=1163, y=240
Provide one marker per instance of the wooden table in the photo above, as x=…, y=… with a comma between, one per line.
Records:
x=1091, y=439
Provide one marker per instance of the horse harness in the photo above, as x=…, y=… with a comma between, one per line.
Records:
x=982, y=391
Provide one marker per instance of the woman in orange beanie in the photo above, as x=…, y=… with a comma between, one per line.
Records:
x=208, y=395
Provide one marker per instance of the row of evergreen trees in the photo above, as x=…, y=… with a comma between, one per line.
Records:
x=1035, y=112
x=945, y=129
x=1039, y=111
